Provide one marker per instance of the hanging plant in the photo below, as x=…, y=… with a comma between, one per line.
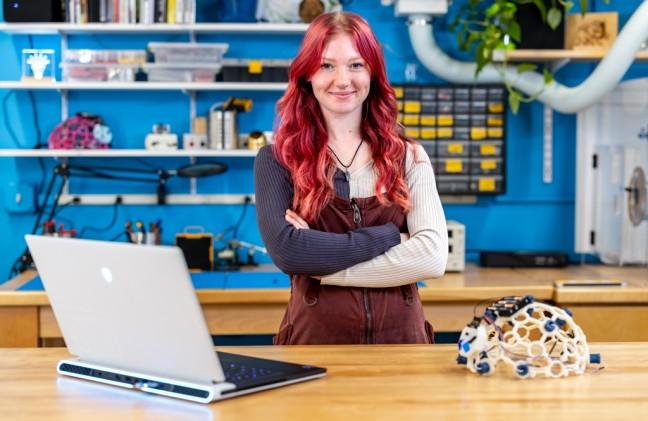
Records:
x=484, y=27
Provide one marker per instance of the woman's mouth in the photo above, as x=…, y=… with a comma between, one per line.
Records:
x=342, y=95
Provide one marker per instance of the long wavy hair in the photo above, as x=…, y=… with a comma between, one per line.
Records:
x=301, y=137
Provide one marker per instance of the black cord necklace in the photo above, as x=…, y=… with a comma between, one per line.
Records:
x=346, y=167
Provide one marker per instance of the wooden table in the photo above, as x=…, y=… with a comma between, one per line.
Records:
x=608, y=314
x=363, y=383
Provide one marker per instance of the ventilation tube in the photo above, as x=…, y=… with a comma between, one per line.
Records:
x=560, y=97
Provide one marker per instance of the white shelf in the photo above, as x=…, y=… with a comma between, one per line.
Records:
x=117, y=28
x=144, y=86
x=122, y=153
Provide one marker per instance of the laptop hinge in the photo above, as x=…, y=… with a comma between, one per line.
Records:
x=179, y=389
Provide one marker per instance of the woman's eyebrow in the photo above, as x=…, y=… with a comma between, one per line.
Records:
x=354, y=58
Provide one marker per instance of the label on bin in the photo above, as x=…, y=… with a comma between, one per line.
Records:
x=445, y=120
x=495, y=121
x=255, y=67
x=398, y=91
x=487, y=149
x=445, y=132
x=477, y=133
x=428, y=133
x=488, y=164
x=412, y=107
x=455, y=148
x=486, y=184
x=412, y=132
x=428, y=120
x=411, y=119
x=496, y=107
x=495, y=132
x=454, y=165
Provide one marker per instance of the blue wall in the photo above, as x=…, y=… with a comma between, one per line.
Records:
x=530, y=216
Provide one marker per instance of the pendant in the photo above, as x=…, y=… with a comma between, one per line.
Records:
x=347, y=175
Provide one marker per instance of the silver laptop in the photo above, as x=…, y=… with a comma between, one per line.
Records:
x=131, y=316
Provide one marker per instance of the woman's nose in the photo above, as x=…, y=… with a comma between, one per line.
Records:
x=342, y=77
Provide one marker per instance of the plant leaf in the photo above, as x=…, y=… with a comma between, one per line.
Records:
x=542, y=8
x=515, y=32
x=526, y=67
x=583, y=6
x=547, y=76
x=554, y=16
x=514, y=101
x=492, y=10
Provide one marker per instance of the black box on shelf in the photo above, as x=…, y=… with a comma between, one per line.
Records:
x=522, y=259
x=536, y=33
x=243, y=70
x=33, y=10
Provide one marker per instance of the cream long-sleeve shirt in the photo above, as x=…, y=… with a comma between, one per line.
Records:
x=425, y=254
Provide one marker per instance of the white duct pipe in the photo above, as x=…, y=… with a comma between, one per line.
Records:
x=562, y=98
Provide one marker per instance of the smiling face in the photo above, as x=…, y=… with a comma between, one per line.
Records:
x=341, y=84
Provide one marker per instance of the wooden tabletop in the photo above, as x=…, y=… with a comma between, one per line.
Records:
x=474, y=284
x=363, y=383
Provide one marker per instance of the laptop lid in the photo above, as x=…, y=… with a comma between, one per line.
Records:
x=127, y=306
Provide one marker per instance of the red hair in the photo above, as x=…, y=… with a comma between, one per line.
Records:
x=301, y=137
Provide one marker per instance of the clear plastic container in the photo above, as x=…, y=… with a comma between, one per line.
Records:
x=188, y=52
x=181, y=72
x=104, y=56
x=99, y=72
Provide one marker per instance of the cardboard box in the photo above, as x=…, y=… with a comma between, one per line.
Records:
x=592, y=31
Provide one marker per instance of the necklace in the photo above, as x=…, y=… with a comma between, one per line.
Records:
x=346, y=167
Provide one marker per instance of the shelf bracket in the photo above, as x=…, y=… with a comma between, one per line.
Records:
x=151, y=199
x=559, y=64
x=547, y=145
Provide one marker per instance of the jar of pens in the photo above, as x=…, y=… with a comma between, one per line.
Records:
x=138, y=234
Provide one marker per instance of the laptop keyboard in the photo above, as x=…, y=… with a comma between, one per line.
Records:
x=236, y=373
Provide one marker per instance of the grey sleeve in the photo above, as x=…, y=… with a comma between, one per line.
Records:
x=308, y=251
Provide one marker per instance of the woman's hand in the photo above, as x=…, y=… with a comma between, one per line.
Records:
x=296, y=220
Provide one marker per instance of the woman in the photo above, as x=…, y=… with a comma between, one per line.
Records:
x=338, y=193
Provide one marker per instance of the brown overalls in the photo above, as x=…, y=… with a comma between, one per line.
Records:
x=326, y=314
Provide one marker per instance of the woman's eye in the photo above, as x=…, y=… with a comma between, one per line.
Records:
x=356, y=66
x=326, y=66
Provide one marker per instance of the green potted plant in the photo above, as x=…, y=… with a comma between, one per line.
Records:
x=485, y=27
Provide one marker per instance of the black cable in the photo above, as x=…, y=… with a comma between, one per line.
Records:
x=240, y=220
x=118, y=235
x=107, y=227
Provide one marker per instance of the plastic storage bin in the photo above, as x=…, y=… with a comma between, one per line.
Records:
x=98, y=72
x=188, y=52
x=181, y=72
x=104, y=56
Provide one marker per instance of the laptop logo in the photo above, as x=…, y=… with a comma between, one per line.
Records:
x=106, y=274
